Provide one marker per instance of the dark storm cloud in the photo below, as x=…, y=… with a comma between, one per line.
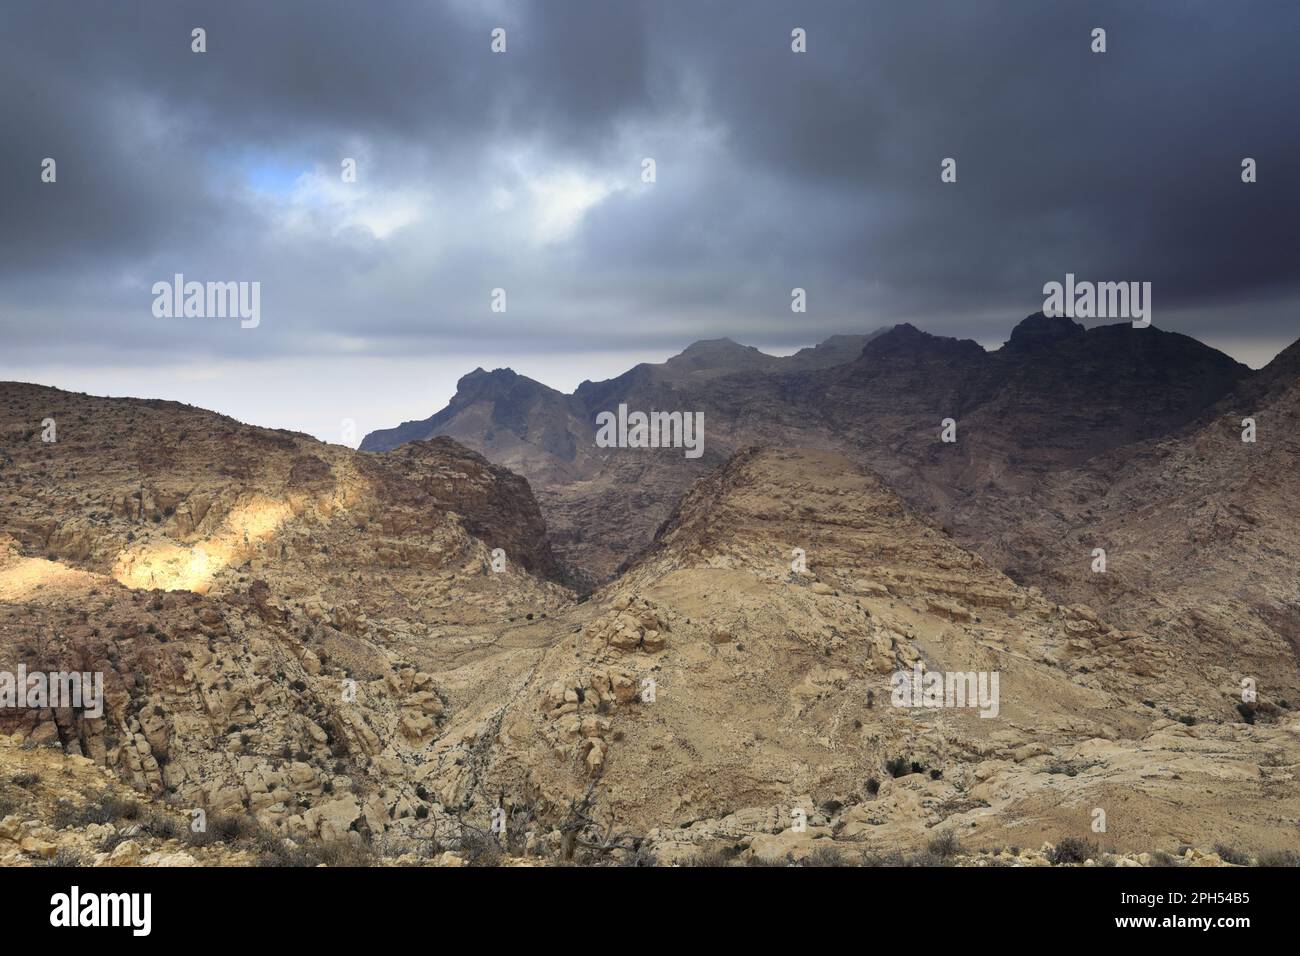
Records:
x=1117, y=164
x=522, y=171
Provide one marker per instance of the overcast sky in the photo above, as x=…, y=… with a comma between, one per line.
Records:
x=522, y=170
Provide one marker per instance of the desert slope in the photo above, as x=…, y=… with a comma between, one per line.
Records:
x=772, y=691
x=1200, y=533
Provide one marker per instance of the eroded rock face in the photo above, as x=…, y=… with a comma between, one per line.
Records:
x=495, y=505
x=161, y=495
x=256, y=602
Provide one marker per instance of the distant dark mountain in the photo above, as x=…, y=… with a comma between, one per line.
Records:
x=515, y=421
x=836, y=350
x=550, y=437
x=1053, y=396
x=517, y=402
x=715, y=357
x=1041, y=331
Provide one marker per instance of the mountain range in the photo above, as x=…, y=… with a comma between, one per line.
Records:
x=483, y=637
x=1052, y=397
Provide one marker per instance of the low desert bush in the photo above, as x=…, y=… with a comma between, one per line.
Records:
x=1072, y=850
x=945, y=845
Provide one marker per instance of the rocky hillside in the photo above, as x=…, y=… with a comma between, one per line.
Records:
x=165, y=495
x=771, y=693
x=323, y=655
x=1200, y=534
x=263, y=607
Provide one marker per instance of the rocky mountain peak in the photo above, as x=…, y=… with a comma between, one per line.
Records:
x=718, y=355
x=907, y=341
x=1039, y=330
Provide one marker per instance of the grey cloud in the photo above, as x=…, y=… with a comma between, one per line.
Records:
x=775, y=170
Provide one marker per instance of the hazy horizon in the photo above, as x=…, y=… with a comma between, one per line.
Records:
x=403, y=387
